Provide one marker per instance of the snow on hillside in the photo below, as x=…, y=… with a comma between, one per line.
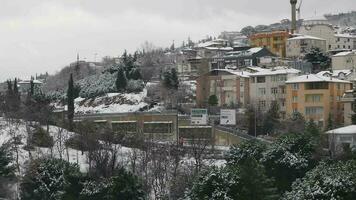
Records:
x=112, y=103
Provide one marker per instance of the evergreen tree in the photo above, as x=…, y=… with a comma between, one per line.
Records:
x=213, y=100
x=174, y=79
x=7, y=168
x=70, y=101
x=330, y=124
x=252, y=122
x=353, y=116
x=121, y=81
x=32, y=87
x=318, y=59
x=271, y=120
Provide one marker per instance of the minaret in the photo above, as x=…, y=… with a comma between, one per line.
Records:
x=294, y=15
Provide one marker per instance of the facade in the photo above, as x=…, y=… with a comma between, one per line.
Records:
x=319, y=28
x=268, y=85
x=300, y=45
x=317, y=98
x=25, y=85
x=348, y=100
x=341, y=137
x=344, y=60
x=274, y=41
x=345, y=41
x=230, y=87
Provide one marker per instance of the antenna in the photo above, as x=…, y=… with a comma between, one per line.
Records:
x=298, y=10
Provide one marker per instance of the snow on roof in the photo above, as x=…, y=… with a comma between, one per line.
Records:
x=159, y=122
x=218, y=48
x=314, y=78
x=123, y=122
x=335, y=73
x=345, y=35
x=344, y=130
x=28, y=82
x=255, y=50
x=306, y=37
x=276, y=71
x=237, y=73
x=345, y=53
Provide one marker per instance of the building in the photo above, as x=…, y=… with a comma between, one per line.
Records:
x=345, y=74
x=240, y=59
x=341, y=138
x=348, y=100
x=274, y=41
x=344, y=60
x=268, y=85
x=345, y=41
x=25, y=85
x=230, y=87
x=317, y=98
x=320, y=28
x=301, y=45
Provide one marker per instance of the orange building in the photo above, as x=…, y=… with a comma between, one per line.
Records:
x=274, y=41
x=317, y=98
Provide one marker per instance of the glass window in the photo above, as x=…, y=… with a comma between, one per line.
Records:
x=313, y=98
x=295, y=99
x=314, y=110
x=261, y=79
x=274, y=90
x=295, y=86
x=262, y=91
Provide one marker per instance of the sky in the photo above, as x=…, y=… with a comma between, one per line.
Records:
x=38, y=36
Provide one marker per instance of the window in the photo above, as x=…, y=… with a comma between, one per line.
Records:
x=274, y=90
x=283, y=90
x=262, y=91
x=261, y=79
x=242, y=84
x=338, y=98
x=314, y=110
x=274, y=78
x=253, y=80
x=283, y=78
x=295, y=86
x=262, y=104
x=295, y=99
x=317, y=86
x=313, y=98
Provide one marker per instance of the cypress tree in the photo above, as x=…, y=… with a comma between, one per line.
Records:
x=174, y=79
x=121, y=81
x=70, y=99
x=32, y=87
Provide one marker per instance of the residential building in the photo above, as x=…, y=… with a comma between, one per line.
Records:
x=274, y=41
x=317, y=98
x=340, y=137
x=348, y=100
x=345, y=74
x=268, y=85
x=25, y=85
x=299, y=46
x=344, y=60
x=320, y=28
x=345, y=41
x=230, y=87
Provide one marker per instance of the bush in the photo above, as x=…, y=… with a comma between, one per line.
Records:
x=81, y=143
x=41, y=138
x=135, y=86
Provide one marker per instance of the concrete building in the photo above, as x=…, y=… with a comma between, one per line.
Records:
x=274, y=41
x=230, y=87
x=317, y=98
x=299, y=46
x=344, y=60
x=348, y=100
x=345, y=41
x=341, y=138
x=319, y=28
x=268, y=85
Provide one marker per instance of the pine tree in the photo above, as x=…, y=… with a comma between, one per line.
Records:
x=271, y=119
x=213, y=100
x=121, y=81
x=70, y=102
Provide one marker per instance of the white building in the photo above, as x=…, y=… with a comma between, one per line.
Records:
x=345, y=41
x=344, y=60
x=320, y=28
x=301, y=45
x=25, y=85
x=268, y=85
x=341, y=137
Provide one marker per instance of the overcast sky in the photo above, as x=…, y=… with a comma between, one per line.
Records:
x=45, y=35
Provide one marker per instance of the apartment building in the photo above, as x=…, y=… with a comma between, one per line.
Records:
x=316, y=97
x=301, y=45
x=230, y=87
x=274, y=41
x=345, y=41
x=344, y=60
x=268, y=85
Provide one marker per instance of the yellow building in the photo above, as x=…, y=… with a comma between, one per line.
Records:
x=316, y=97
x=274, y=41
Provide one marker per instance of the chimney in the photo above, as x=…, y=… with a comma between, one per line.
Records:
x=294, y=15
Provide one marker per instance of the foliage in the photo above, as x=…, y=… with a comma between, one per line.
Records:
x=318, y=59
x=123, y=185
x=170, y=79
x=135, y=86
x=97, y=85
x=213, y=100
x=121, y=80
x=70, y=101
x=41, y=138
x=326, y=181
x=244, y=151
x=271, y=120
x=51, y=179
x=7, y=168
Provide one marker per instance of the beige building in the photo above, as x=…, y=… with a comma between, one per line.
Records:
x=345, y=41
x=317, y=97
x=344, y=60
x=267, y=85
x=299, y=46
x=320, y=28
x=230, y=87
x=348, y=99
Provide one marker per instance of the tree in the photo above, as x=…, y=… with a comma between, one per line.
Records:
x=271, y=120
x=248, y=30
x=70, y=102
x=330, y=123
x=213, y=100
x=353, y=116
x=7, y=168
x=51, y=179
x=121, y=81
x=318, y=59
x=252, y=124
x=326, y=181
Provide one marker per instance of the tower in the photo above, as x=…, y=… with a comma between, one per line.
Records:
x=294, y=15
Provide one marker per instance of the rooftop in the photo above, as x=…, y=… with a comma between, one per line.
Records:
x=275, y=71
x=314, y=78
x=345, y=53
x=344, y=130
x=306, y=37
